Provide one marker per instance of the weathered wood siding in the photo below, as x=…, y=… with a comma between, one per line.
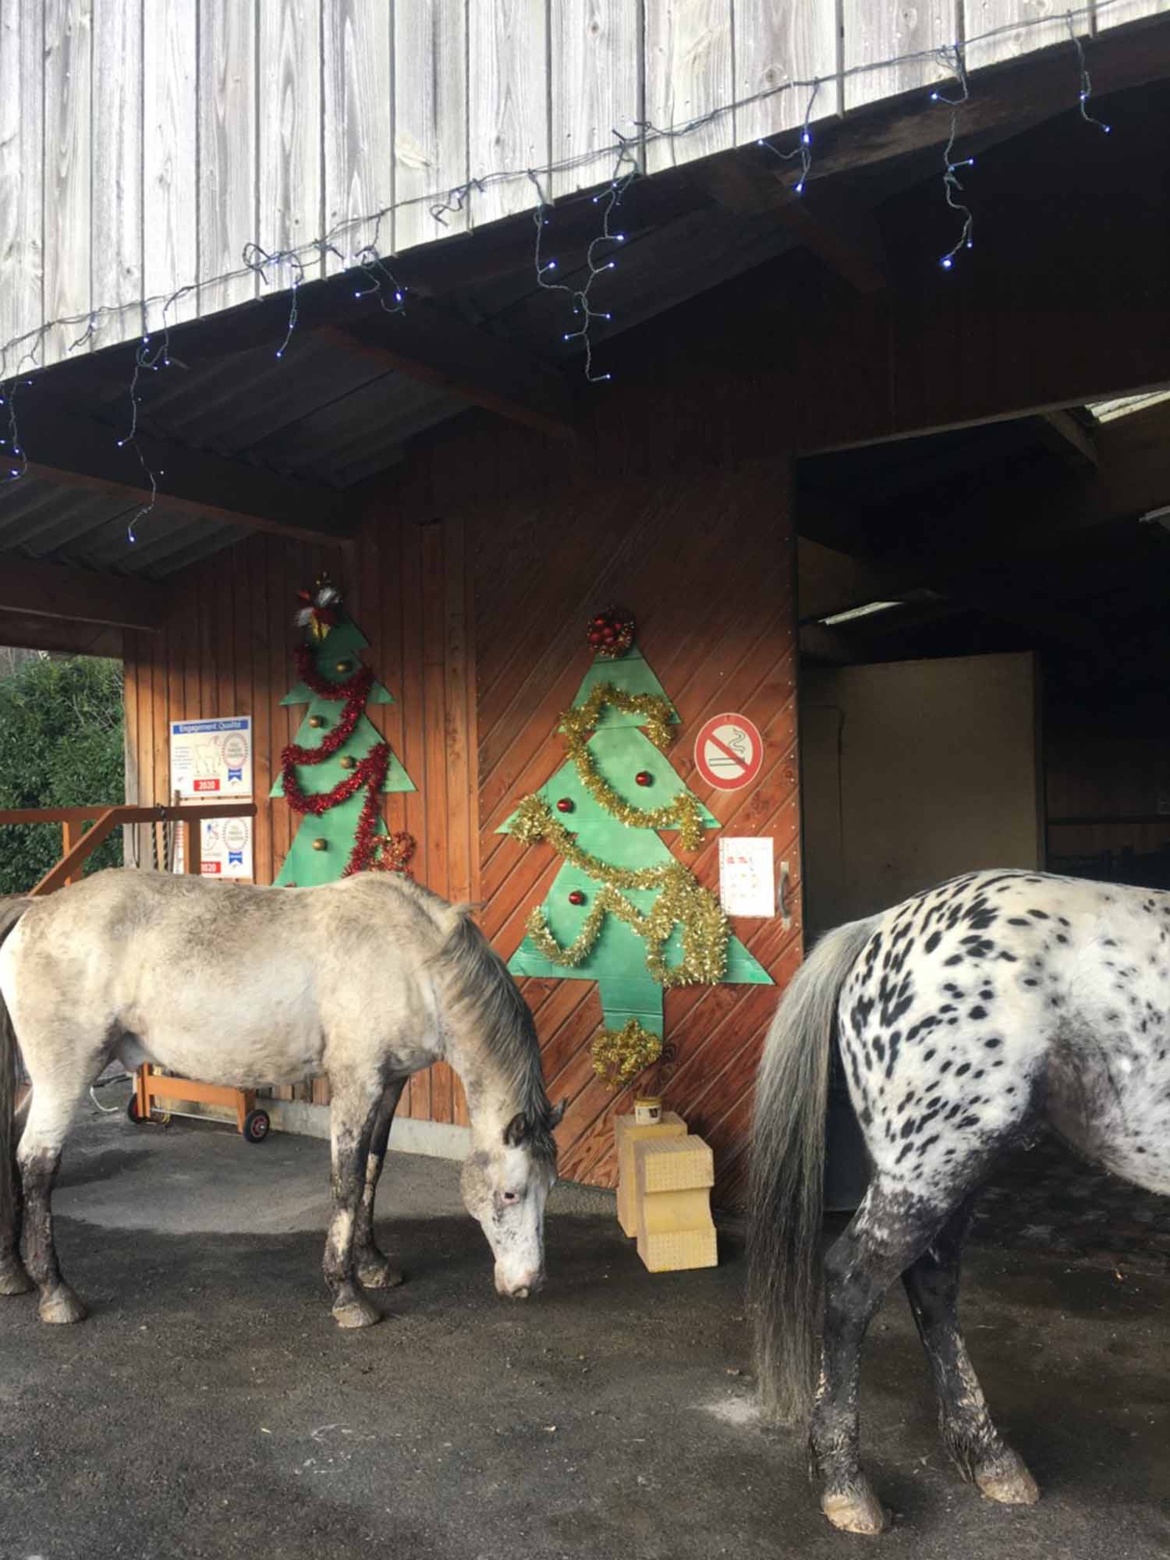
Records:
x=703, y=555
x=472, y=577
x=228, y=651
x=144, y=143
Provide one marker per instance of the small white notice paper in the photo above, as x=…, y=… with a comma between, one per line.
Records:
x=747, y=882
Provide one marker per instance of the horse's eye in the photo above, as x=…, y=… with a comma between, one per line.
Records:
x=510, y=1197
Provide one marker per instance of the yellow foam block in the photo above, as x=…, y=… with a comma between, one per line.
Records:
x=673, y=1166
x=627, y=1132
x=672, y=1180
x=679, y=1251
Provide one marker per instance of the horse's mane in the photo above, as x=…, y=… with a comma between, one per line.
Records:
x=479, y=985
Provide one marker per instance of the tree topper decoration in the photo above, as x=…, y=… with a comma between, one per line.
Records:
x=611, y=633
x=321, y=607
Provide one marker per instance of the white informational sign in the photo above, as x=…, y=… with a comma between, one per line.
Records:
x=212, y=759
x=227, y=848
x=747, y=882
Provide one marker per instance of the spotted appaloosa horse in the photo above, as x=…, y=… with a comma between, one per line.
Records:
x=964, y=1016
x=366, y=980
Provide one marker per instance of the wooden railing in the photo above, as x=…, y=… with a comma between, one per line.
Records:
x=78, y=842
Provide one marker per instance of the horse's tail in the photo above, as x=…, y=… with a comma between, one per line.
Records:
x=11, y=910
x=788, y=1166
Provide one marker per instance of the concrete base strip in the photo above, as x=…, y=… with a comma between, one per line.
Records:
x=435, y=1139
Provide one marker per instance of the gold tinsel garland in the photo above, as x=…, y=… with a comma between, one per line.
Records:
x=683, y=901
x=683, y=811
x=534, y=821
x=619, y=1055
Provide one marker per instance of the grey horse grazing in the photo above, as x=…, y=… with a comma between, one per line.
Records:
x=366, y=981
x=964, y=1016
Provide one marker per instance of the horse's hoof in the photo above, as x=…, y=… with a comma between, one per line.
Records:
x=1007, y=1480
x=378, y=1274
x=356, y=1313
x=13, y=1279
x=856, y=1510
x=61, y=1306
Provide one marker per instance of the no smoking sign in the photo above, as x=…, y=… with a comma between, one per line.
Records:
x=729, y=752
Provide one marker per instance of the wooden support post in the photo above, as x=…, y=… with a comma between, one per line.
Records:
x=141, y=1092
x=71, y=832
x=192, y=847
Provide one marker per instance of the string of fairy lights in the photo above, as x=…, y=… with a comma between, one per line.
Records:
x=374, y=277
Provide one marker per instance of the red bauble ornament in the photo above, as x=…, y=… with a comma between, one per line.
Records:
x=611, y=633
x=564, y=804
x=644, y=777
x=576, y=897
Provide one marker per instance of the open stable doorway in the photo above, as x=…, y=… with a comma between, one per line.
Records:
x=913, y=772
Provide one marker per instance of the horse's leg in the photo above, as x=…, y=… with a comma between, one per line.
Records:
x=39, y=1156
x=371, y=1265
x=932, y=1285
x=353, y=1116
x=884, y=1237
x=13, y=1278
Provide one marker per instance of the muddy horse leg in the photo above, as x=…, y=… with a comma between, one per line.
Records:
x=13, y=1278
x=970, y=1436
x=371, y=1265
x=353, y=1116
x=39, y=1157
x=885, y=1236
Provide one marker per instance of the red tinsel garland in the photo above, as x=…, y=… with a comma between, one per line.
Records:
x=372, y=767
x=369, y=772
x=360, y=681
x=376, y=760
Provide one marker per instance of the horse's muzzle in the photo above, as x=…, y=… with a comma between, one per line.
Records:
x=522, y=1289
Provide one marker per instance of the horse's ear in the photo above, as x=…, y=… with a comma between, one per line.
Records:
x=555, y=1116
x=516, y=1130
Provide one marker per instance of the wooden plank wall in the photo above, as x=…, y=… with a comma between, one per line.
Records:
x=472, y=577
x=228, y=651
x=144, y=143
x=703, y=555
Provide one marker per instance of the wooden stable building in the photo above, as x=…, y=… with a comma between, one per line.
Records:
x=802, y=413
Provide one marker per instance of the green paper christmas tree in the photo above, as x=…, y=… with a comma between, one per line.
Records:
x=335, y=660
x=640, y=775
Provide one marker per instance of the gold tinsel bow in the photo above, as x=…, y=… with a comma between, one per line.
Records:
x=619, y=1055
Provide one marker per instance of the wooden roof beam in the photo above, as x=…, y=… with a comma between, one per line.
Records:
x=1060, y=432
x=73, y=451
x=1006, y=99
x=438, y=349
x=29, y=588
x=63, y=634
x=845, y=236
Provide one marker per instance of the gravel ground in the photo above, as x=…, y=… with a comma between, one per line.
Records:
x=210, y=1407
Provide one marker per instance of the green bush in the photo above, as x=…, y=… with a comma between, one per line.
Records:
x=60, y=746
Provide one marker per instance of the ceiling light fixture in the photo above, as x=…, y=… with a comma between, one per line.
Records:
x=859, y=612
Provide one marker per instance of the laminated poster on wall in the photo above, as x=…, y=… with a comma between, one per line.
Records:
x=227, y=848
x=211, y=760
x=747, y=881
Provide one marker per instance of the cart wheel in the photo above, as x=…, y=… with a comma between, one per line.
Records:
x=256, y=1126
x=132, y=1109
